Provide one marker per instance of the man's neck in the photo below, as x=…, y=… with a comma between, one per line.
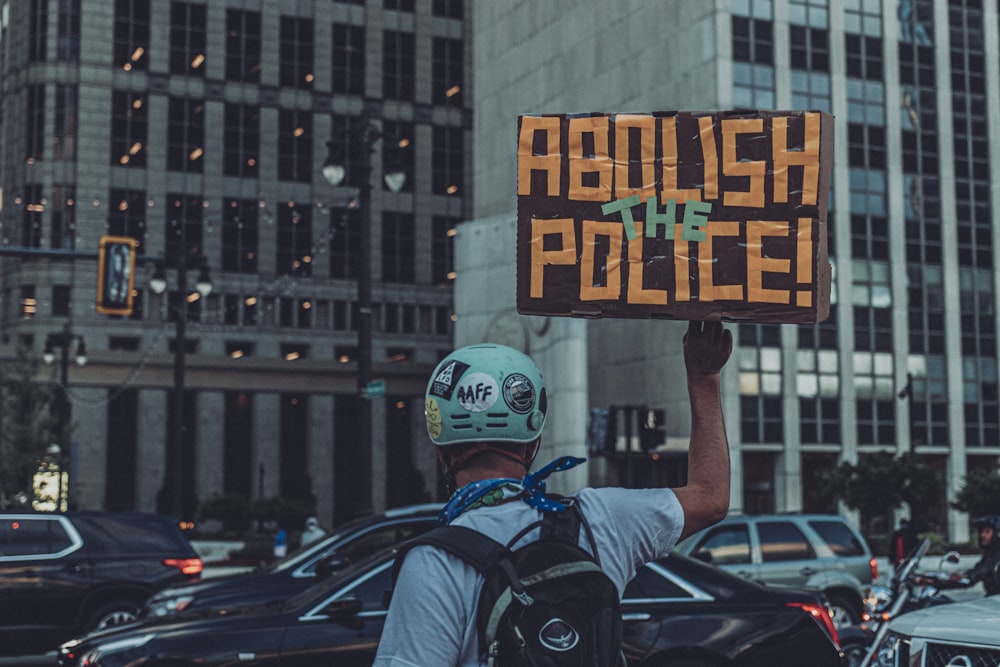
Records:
x=469, y=475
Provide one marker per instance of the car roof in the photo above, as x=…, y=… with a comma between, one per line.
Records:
x=958, y=622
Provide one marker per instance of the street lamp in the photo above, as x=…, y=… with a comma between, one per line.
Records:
x=173, y=478
x=64, y=341
x=362, y=145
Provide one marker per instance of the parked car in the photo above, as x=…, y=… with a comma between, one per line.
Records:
x=677, y=611
x=62, y=574
x=351, y=542
x=963, y=633
x=820, y=552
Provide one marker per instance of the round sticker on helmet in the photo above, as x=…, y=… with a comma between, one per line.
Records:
x=477, y=392
x=519, y=393
x=432, y=413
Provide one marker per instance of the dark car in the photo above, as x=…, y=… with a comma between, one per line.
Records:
x=351, y=542
x=62, y=574
x=677, y=611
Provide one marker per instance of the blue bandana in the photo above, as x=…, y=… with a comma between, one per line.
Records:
x=494, y=491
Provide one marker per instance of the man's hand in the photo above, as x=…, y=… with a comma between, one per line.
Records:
x=707, y=347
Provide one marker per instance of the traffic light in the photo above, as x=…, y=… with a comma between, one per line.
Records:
x=115, y=275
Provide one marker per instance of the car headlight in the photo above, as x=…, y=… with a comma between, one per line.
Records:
x=117, y=646
x=892, y=651
x=877, y=599
x=171, y=605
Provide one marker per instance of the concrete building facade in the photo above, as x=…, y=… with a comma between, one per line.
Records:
x=201, y=130
x=907, y=360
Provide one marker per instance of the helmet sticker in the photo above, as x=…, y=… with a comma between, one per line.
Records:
x=477, y=392
x=519, y=393
x=444, y=382
x=432, y=413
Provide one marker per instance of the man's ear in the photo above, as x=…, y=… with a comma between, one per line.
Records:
x=443, y=457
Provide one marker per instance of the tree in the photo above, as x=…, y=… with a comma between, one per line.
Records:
x=27, y=426
x=881, y=482
x=979, y=495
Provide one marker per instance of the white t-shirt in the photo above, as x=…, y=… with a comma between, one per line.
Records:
x=431, y=621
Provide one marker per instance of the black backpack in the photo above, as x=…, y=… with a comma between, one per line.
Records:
x=547, y=603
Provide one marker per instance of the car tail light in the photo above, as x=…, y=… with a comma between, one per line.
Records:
x=821, y=615
x=189, y=566
x=873, y=564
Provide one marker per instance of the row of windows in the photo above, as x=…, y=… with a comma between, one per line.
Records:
x=294, y=139
x=298, y=241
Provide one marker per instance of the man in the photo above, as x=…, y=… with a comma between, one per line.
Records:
x=902, y=542
x=485, y=407
x=987, y=570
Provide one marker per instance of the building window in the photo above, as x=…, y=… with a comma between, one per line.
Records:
x=753, y=55
x=38, y=30
x=295, y=139
x=810, y=48
x=66, y=121
x=61, y=300
x=62, y=214
x=447, y=71
x=348, y=56
x=443, y=249
x=296, y=66
x=294, y=351
x=451, y=9
x=294, y=252
x=124, y=343
x=183, y=231
x=127, y=215
x=129, y=128
x=818, y=382
x=121, y=467
x=239, y=310
x=34, y=130
x=190, y=303
x=345, y=243
x=186, y=135
x=243, y=45
x=293, y=459
x=31, y=216
x=239, y=235
x=398, y=247
x=864, y=56
x=760, y=371
x=237, y=475
x=241, y=140
x=343, y=128
x=399, y=5
x=187, y=38
x=448, y=160
x=442, y=321
x=131, y=34
x=398, y=152
x=398, y=65
x=68, y=31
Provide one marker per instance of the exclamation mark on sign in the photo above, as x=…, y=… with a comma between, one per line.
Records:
x=803, y=260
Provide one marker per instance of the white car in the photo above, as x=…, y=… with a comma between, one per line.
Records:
x=964, y=634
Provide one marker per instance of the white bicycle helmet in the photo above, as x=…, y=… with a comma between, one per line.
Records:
x=485, y=393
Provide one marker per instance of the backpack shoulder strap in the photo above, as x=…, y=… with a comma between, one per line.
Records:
x=476, y=549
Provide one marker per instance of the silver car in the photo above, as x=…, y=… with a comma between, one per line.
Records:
x=821, y=552
x=964, y=633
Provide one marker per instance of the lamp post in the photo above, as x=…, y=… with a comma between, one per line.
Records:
x=63, y=340
x=173, y=478
x=362, y=145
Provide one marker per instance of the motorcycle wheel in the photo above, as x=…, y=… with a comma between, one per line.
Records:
x=854, y=652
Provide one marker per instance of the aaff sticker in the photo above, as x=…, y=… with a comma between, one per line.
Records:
x=444, y=382
x=477, y=392
x=519, y=393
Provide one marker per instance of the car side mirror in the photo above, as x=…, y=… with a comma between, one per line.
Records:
x=328, y=565
x=704, y=555
x=951, y=557
x=345, y=610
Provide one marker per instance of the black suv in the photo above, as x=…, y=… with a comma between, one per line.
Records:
x=61, y=574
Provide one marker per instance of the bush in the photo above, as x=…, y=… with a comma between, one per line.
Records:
x=235, y=512
x=290, y=514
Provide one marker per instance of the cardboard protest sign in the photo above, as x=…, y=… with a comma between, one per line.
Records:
x=676, y=215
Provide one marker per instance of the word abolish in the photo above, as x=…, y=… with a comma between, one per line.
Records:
x=675, y=215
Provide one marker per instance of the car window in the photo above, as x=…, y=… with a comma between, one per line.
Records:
x=726, y=545
x=28, y=537
x=372, y=589
x=782, y=540
x=379, y=538
x=648, y=585
x=841, y=539
x=127, y=534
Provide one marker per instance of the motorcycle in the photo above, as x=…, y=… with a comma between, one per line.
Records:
x=907, y=591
